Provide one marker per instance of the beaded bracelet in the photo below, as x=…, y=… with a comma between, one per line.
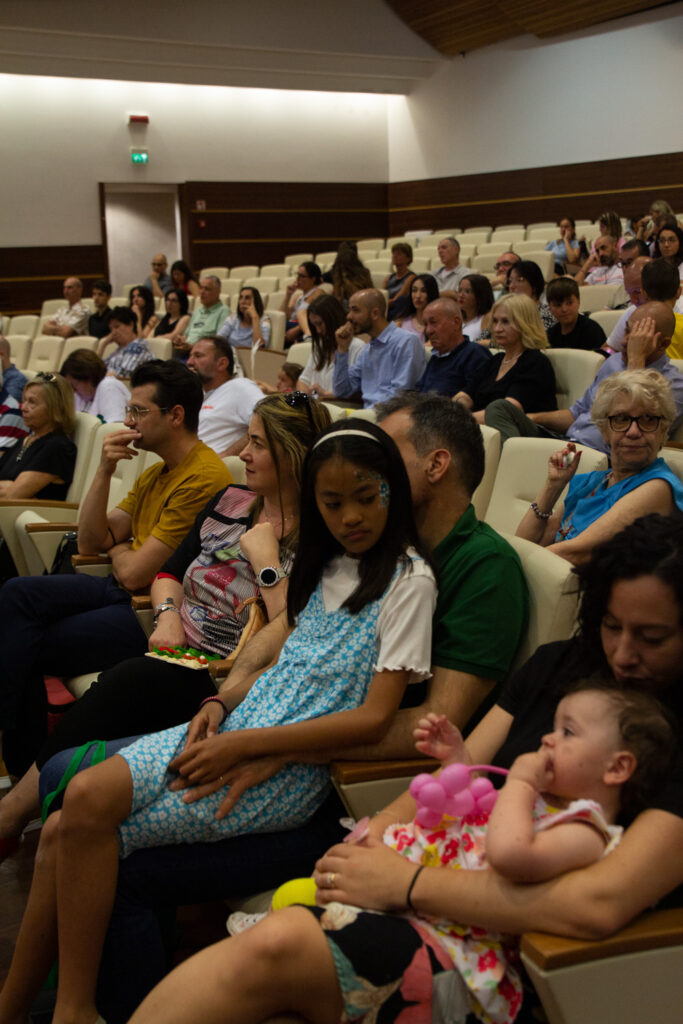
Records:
x=215, y=700
x=537, y=512
x=409, y=902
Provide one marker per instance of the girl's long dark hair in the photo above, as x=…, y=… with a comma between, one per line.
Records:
x=331, y=312
x=317, y=546
x=431, y=287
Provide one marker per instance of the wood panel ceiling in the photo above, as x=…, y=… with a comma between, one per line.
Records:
x=456, y=26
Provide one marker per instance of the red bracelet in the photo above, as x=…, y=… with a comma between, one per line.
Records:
x=216, y=700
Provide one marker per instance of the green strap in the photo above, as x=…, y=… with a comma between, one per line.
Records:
x=73, y=766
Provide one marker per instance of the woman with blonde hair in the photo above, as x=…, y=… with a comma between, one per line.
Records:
x=41, y=465
x=520, y=373
x=633, y=411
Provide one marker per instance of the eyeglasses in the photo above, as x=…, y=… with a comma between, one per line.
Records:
x=136, y=412
x=46, y=378
x=622, y=422
x=299, y=400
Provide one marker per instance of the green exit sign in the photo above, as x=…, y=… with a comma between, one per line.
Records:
x=139, y=156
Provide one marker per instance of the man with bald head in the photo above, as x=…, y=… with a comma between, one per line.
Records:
x=159, y=280
x=70, y=319
x=647, y=336
x=393, y=360
x=601, y=266
x=455, y=360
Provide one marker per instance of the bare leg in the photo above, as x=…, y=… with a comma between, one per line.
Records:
x=20, y=805
x=283, y=964
x=97, y=801
x=36, y=948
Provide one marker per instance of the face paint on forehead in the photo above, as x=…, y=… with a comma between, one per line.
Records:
x=383, y=487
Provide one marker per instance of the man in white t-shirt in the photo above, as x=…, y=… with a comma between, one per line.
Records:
x=228, y=400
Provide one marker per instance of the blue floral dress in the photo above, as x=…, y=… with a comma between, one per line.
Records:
x=326, y=665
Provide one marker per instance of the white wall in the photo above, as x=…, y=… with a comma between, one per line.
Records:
x=600, y=96
x=59, y=137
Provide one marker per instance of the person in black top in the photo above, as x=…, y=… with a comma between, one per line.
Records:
x=98, y=322
x=520, y=373
x=41, y=465
x=573, y=329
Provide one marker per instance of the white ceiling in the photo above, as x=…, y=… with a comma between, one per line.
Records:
x=340, y=45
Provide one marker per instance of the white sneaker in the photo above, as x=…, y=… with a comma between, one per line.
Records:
x=239, y=922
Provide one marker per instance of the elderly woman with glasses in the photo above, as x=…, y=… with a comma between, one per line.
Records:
x=41, y=465
x=633, y=410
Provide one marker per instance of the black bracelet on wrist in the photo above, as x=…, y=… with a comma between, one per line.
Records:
x=409, y=902
x=215, y=700
x=537, y=512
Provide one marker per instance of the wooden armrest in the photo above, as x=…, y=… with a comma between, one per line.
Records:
x=651, y=931
x=218, y=669
x=36, y=503
x=141, y=602
x=347, y=772
x=77, y=560
x=51, y=527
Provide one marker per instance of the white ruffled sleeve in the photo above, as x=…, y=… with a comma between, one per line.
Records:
x=404, y=623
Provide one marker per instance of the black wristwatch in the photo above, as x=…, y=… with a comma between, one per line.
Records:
x=269, y=576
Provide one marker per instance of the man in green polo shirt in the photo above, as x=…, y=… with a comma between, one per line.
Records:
x=207, y=317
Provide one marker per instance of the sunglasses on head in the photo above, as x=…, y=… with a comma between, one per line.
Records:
x=300, y=400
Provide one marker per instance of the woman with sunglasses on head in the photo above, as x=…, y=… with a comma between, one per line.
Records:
x=41, y=465
x=239, y=551
x=633, y=411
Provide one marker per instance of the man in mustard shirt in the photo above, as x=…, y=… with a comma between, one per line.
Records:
x=70, y=624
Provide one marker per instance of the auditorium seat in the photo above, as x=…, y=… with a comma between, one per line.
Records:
x=596, y=296
x=27, y=325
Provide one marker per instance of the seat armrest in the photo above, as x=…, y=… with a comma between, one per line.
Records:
x=345, y=773
x=36, y=503
x=141, y=602
x=79, y=561
x=654, y=930
x=51, y=527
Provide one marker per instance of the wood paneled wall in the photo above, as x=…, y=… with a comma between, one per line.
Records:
x=261, y=222
x=32, y=274
x=537, y=194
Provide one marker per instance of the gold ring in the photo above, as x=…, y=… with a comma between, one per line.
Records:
x=330, y=879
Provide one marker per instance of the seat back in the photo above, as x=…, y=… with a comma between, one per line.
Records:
x=248, y=270
x=237, y=468
x=46, y=355
x=522, y=471
x=83, y=438
x=20, y=347
x=213, y=272
x=50, y=306
x=23, y=325
x=266, y=364
x=73, y=344
x=553, y=596
x=161, y=347
x=607, y=318
x=264, y=284
x=596, y=296
x=299, y=352
x=278, y=322
x=482, y=495
x=574, y=370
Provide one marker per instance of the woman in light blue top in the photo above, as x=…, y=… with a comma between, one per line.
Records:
x=248, y=326
x=565, y=249
x=633, y=410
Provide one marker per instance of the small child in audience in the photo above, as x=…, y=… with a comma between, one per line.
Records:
x=287, y=378
x=573, y=329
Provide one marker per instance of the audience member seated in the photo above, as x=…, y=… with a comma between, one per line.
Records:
x=208, y=316
x=397, y=284
x=349, y=275
x=159, y=280
x=455, y=360
x=634, y=290
x=71, y=319
x=98, y=322
x=176, y=320
x=393, y=359
x=633, y=410
x=669, y=245
x=141, y=301
x=12, y=426
x=632, y=585
x=475, y=297
x=601, y=267
x=95, y=391
x=451, y=273
x=287, y=380
x=520, y=374
x=66, y=625
x=183, y=277
x=630, y=250
x=499, y=283
x=526, y=278
x=572, y=329
x=248, y=327
x=647, y=336
x=132, y=351
x=13, y=379
x=609, y=226
x=325, y=316
x=202, y=595
x=300, y=293
x=565, y=249
x=423, y=290
x=41, y=464
x=228, y=400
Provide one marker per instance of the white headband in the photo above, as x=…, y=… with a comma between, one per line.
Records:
x=346, y=433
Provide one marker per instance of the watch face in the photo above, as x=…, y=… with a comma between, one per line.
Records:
x=268, y=577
